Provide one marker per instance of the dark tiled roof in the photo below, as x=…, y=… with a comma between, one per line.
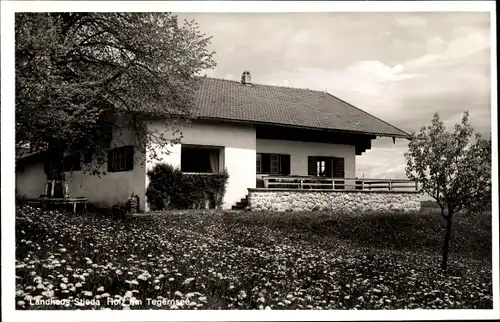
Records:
x=231, y=100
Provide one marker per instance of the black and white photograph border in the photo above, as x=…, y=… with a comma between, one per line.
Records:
x=334, y=125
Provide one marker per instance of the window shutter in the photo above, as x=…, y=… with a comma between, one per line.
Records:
x=339, y=168
x=266, y=163
x=285, y=164
x=129, y=155
x=311, y=166
x=110, y=160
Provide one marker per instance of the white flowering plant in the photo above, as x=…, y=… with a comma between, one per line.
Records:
x=215, y=260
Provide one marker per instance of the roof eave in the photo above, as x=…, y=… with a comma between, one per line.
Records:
x=400, y=136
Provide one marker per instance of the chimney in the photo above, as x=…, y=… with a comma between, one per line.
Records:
x=246, y=79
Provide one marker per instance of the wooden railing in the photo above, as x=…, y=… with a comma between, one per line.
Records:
x=315, y=183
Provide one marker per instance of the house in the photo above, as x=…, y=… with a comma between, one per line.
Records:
x=257, y=132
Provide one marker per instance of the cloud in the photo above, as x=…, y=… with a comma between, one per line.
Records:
x=412, y=21
x=458, y=48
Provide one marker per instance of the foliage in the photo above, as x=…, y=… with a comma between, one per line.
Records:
x=169, y=188
x=243, y=261
x=451, y=169
x=78, y=74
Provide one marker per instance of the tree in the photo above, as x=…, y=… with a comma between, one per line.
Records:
x=452, y=169
x=77, y=73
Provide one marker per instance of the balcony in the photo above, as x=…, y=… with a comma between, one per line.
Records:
x=338, y=184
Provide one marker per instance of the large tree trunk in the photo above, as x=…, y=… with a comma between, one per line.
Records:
x=55, y=175
x=444, y=263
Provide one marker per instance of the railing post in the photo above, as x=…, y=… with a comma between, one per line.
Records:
x=333, y=184
x=416, y=185
x=362, y=184
x=301, y=184
x=265, y=182
x=390, y=184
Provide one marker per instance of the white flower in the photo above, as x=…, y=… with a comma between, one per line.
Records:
x=78, y=284
x=100, y=289
x=63, y=286
x=128, y=294
x=188, y=280
x=64, y=280
x=105, y=295
x=87, y=293
x=157, y=287
x=177, y=293
x=242, y=295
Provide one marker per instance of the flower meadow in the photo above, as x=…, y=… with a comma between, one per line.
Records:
x=243, y=260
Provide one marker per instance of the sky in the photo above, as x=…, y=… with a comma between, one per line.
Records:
x=400, y=67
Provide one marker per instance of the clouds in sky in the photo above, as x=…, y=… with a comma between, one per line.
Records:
x=401, y=67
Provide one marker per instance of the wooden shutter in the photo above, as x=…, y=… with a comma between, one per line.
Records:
x=129, y=157
x=110, y=160
x=285, y=164
x=329, y=166
x=338, y=168
x=266, y=163
x=311, y=166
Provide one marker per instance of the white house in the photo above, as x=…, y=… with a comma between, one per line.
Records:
x=252, y=130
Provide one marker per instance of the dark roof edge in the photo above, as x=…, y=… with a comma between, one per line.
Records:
x=408, y=135
x=304, y=127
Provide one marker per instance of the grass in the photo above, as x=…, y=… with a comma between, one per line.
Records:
x=217, y=260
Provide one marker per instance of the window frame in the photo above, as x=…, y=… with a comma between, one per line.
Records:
x=122, y=154
x=277, y=166
x=218, y=149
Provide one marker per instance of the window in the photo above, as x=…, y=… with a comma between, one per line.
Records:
x=259, y=163
x=330, y=167
x=268, y=163
x=275, y=164
x=71, y=162
x=121, y=159
x=201, y=159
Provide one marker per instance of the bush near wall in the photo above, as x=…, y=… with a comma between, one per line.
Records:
x=169, y=188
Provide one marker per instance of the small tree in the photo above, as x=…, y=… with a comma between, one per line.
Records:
x=452, y=169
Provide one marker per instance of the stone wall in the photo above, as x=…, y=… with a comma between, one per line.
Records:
x=349, y=201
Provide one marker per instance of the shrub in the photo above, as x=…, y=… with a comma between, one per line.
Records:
x=169, y=188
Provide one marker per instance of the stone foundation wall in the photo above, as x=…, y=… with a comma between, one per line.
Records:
x=333, y=200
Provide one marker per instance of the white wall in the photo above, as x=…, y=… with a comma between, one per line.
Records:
x=31, y=180
x=300, y=151
x=238, y=142
x=113, y=187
